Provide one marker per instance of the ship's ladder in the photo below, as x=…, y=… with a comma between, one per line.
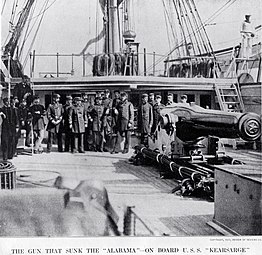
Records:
x=229, y=97
x=130, y=65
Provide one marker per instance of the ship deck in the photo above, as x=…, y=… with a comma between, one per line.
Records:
x=129, y=185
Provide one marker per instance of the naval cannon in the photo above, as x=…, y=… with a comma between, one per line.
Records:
x=186, y=144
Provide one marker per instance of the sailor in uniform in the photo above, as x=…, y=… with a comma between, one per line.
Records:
x=158, y=106
x=145, y=119
x=55, y=113
x=247, y=34
x=125, y=120
x=77, y=123
x=98, y=117
x=69, y=141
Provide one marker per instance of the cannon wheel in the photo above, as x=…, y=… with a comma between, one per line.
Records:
x=250, y=127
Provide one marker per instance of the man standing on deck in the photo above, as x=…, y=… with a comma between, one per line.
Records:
x=10, y=127
x=14, y=103
x=115, y=114
x=158, y=106
x=36, y=115
x=151, y=99
x=86, y=104
x=247, y=34
x=145, y=119
x=55, y=113
x=69, y=141
x=23, y=119
x=107, y=103
x=98, y=117
x=126, y=120
x=77, y=123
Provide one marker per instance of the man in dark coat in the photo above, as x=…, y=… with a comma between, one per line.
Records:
x=10, y=127
x=115, y=114
x=158, y=106
x=87, y=105
x=98, y=117
x=145, y=119
x=126, y=120
x=14, y=103
x=78, y=122
x=23, y=120
x=36, y=115
x=107, y=103
x=55, y=113
x=23, y=90
x=69, y=141
x=151, y=99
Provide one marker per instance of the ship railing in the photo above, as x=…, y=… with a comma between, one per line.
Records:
x=63, y=65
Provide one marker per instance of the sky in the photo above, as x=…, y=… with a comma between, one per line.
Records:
x=68, y=25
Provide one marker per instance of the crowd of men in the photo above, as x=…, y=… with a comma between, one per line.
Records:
x=85, y=125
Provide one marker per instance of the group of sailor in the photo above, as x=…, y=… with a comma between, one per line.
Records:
x=79, y=125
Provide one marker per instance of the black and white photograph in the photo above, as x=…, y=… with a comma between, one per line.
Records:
x=135, y=125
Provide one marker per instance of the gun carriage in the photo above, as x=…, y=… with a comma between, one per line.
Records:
x=187, y=147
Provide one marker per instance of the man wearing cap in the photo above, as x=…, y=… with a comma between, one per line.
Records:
x=98, y=117
x=77, y=123
x=247, y=34
x=10, y=127
x=125, y=120
x=115, y=114
x=87, y=106
x=158, y=106
x=69, y=141
x=23, y=120
x=145, y=119
x=36, y=115
x=23, y=90
x=170, y=102
x=151, y=99
x=55, y=113
x=107, y=103
x=14, y=103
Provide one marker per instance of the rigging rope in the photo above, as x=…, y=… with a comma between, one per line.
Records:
x=192, y=28
x=44, y=10
x=31, y=45
x=165, y=15
x=26, y=32
x=211, y=18
x=3, y=7
x=184, y=15
x=171, y=25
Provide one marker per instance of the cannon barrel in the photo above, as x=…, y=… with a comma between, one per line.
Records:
x=192, y=121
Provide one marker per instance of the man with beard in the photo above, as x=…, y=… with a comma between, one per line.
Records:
x=115, y=114
x=145, y=119
x=55, y=116
x=10, y=127
x=126, y=120
x=98, y=117
x=69, y=141
x=78, y=123
x=107, y=103
x=36, y=115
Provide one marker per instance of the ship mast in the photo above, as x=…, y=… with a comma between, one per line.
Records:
x=10, y=47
